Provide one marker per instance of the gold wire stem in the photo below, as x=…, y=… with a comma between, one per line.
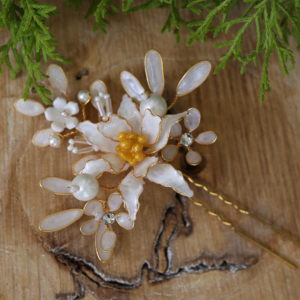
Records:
x=69, y=134
x=173, y=103
x=83, y=112
x=240, y=233
x=242, y=210
x=108, y=188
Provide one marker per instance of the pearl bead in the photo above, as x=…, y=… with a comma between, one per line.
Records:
x=97, y=99
x=144, y=96
x=104, y=118
x=87, y=187
x=70, y=147
x=96, y=149
x=106, y=96
x=83, y=96
x=55, y=141
x=75, y=150
x=101, y=94
x=71, y=141
x=156, y=104
x=64, y=114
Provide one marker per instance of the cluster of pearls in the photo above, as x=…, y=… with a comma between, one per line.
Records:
x=104, y=100
x=131, y=146
x=80, y=140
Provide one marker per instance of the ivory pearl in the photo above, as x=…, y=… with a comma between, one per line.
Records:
x=88, y=187
x=83, y=96
x=156, y=104
x=55, y=141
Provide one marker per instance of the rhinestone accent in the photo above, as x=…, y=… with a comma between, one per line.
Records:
x=64, y=114
x=187, y=139
x=109, y=218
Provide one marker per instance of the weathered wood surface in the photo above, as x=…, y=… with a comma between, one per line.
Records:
x=255, y=162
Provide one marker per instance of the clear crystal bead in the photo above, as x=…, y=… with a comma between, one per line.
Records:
x=109, y=218
x=187, y=139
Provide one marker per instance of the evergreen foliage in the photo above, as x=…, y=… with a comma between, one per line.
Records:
x=274, y=20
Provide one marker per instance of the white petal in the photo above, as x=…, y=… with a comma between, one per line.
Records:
x=126, y=167
x=103, y=256
x=80, y=163
x=132, y=86
x=41, y=138
x=58, y=126
x=60, y=220
x=56, y=185
x=154, y=72
x=169, y=152
x=71, y=122
x=114, y=201
x=59, y=103
x=124, y=221
x=167, y=123
x=151, y=127
x=51, y=114
x=108, y=240
x=95, y=137
x=57, y=77
x=192, y=119
x=206, y=138
x=94, y=208
x=97, y=167
x=113, y=127
x=141, y=168
x=130, y=189
x=72, y=108
x=193, y=158
x=193, y=78
x=96, y=87
x=89, y=227
x=166, y=175
x=176, y=130
x=29, y=107
x=115, y=161
x=129, y=111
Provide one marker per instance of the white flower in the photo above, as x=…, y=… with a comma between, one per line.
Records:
x=61, y=114
x=104, y=135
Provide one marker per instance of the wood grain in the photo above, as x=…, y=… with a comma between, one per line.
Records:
x=174, y=244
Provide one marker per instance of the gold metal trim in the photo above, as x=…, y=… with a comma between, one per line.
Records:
x=98, y=176
x=73, y=167
x=186, y=75
x=126, y=89
x=115, y=193
x=107, y=229
x=191, y=163
x=192, y=108
x=128, y=218
x=208, y=143
x=162, y=152
x=41, y=185
x=56, y=214
x=159, y=132
x=87, y=222
x=147, y=170
x=162, y=70
x=98, y=200
x=47, y=72
x=15, y=106
x=98, y=255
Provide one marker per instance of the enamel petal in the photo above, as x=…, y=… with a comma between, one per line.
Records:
x=167, y=123
x=96, y=87
x=113, y=127
x=57, y=77
x=206, y=138
x=193, y=78
x=108, y=240
x=193, y=158
x=95, y=137
x=114, y=201
x=129, y=111
x=176, y=130
x=71, y=122
x=89, y=227
x=103, y=256
x=169, y=152
x=97, y=167
x=115, y=161
x=192, y=119
x=59, y=103
x=94, y=208
x=72, y=107
x=154, y=72
x=124, y=221
x=80, y=163
x=130, y=189
x=60, y=220
x=58, y=126
x=141, y=169
x=41, y=138
x=166, y=175
x=151, y=127
x=56, y=185
x=132, y=86
x=29, y=107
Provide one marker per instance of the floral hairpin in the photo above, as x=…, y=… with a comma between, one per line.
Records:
x=133, y=141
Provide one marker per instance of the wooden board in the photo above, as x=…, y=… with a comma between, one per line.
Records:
x=176, y=250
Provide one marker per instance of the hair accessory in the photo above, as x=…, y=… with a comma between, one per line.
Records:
x=137, y=141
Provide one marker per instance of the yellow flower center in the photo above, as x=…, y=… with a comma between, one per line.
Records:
x=131, y=146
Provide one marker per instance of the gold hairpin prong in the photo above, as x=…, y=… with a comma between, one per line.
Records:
x=242, y=234
x=244, y=211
